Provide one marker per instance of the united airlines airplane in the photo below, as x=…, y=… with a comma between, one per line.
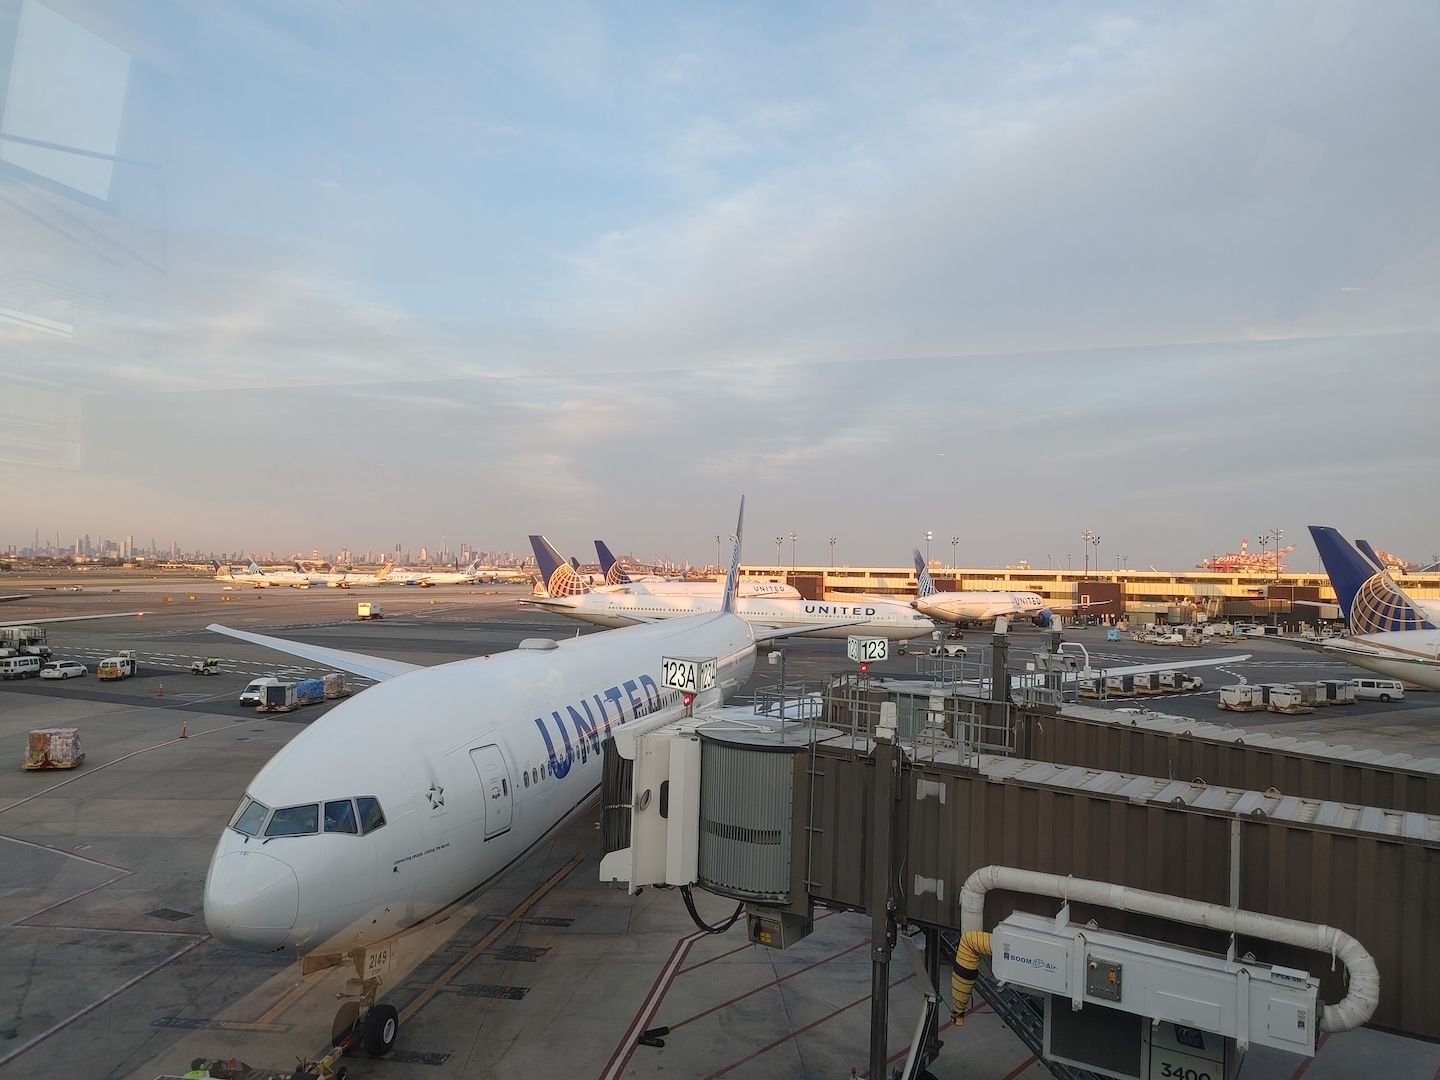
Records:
x=617, y=580
x=1390, y=633
x=434, y=782
x=982, y=606
x=769, y=616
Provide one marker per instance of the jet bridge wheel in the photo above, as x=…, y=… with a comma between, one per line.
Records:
x=382, y=1025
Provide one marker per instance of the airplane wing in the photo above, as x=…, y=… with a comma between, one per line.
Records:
x=378, y=668
x=773, y=633
x=75, y=618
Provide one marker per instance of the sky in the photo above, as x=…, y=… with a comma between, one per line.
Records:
x=276, y=277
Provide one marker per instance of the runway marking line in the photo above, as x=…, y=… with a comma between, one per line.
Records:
x=472, y=954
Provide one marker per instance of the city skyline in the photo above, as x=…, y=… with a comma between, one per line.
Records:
x=284, y=278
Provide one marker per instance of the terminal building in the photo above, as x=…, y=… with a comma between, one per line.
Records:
x=1174, y=596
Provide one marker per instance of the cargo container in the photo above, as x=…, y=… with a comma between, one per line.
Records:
x=279, y=697
x=53, y=748
x=1338, y=691
x=1243, y=697
x=368, y=609
x=1120, y=686
x=1090, y=686
x=309, y=691
x=1288, y=699
x=335, y=686
x=1147, y=683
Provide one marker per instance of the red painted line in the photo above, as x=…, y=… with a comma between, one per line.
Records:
x=1013, y=1073
x=766, y=986
x=640, y=1022
x=1304, y=1066
x=800, y=1031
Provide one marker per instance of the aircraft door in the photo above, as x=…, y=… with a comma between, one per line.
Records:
x=495, y=784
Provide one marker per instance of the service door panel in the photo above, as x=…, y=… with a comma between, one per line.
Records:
x=495, y=783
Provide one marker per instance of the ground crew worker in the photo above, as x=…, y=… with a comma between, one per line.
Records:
x=199, y=1070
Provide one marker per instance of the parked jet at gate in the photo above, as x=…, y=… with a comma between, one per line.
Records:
x=1389, y=632
x=617, y=579
x=982, y=606
x=427, y=578
x=405, y=820
x=569, y=595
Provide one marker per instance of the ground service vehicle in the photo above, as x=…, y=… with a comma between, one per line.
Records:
x=121, y=666
x=19, y=667
x=63, y=669
x=1378, y=689
x=209, y=666
x=368, y=609
x=254, y=694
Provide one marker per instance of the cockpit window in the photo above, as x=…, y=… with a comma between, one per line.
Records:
x=371, y=816
x=340, y=816
x=250, y=817
x=295, y=821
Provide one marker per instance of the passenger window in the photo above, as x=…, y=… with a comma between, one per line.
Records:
x=251, y=817
x=295, y=821
x=371, y=816
x=340, y=817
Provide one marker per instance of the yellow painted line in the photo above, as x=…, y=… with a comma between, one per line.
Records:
x=424, y=997
x=290, y=997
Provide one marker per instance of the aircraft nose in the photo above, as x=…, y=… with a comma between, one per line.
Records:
x=251, y=900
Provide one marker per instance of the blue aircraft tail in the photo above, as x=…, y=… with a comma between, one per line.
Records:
x=1371, y=554
x=610, y=567
x=922, y=575
x=558, y=575
x=1370, y=601
x=732, y=579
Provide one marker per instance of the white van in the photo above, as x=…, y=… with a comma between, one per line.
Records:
x=1378, y=689
x=254, y=694
x=19, y=667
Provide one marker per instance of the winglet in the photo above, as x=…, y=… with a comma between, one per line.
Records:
x=557, y=575
x=732, y=579
x=923, y=578
x=610, y=567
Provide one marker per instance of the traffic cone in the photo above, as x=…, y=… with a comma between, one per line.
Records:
x=184, y=729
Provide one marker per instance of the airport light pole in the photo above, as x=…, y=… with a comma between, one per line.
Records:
x=793, y=538
x=929, y=535
x=1089, y=538
x=779, y=542
x=719, y=551
x=832, y=553
x=954, y=552
x=1277, y=534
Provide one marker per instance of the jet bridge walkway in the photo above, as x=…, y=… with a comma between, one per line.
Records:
x=1178, y=807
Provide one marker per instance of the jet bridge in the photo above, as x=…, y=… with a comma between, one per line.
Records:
x=893, y=792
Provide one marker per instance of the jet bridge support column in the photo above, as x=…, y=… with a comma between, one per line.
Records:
x=1000, y=662
x=887, y=757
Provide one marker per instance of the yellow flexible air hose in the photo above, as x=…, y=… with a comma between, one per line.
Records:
x=973, y=945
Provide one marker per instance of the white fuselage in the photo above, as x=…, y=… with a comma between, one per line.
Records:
x=889, y=619
x=979, y=606
x=701, y=588
x=1413, y=656
x=472, y=762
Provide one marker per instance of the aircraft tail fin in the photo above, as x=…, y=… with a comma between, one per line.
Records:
x=1348, y=569
x=922, y=576
x=557, y=575
x=610, y=567
x=255, y=568
x=1371, y=601
x=732, y=578
x=1370, y=554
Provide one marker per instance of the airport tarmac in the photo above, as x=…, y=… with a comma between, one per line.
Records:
x=109, y=971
